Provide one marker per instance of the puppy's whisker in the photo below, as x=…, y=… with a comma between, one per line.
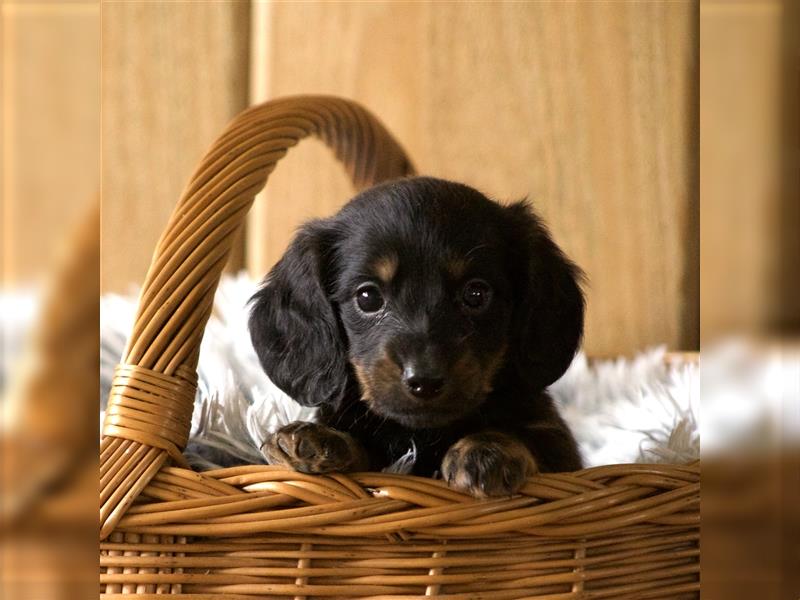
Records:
x=468, y=255
x=358, y=418
x=381, y=424
x=466, y=336
x=399, y=319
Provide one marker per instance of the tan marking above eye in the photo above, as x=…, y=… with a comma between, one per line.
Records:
x=456, y=267
x=385, y=268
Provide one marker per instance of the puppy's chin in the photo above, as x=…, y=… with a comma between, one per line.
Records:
x=419, y=419
x=415, y=414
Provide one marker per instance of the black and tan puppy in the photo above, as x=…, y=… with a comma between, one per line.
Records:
x=423, y=313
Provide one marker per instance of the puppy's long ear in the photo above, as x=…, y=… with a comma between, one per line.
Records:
x=549, y=303
x=293, y=325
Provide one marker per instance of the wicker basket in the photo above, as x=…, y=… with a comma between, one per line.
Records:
x=620, y=531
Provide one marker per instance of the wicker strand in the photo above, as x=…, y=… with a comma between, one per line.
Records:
x=580, y=556
x=303, y=564
x=434, y=588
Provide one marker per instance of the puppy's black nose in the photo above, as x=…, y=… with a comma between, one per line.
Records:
x=423, y=385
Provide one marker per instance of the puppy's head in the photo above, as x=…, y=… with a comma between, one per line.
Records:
x=424, y=296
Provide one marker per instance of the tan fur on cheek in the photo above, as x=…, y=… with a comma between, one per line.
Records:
x=466, y=369
x=363, y=380
x=469, y=374
x=491, y=369
x=378, y=378
x=475, y=378
x=385, y=373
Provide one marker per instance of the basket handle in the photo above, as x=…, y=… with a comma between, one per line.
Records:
x=150, y=404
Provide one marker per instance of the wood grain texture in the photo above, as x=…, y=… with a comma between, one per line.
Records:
x=173, y=74
x=589, y=109
x=50, y=130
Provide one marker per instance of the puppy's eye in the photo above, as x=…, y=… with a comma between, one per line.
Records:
x=369, y=298
x=476, y=295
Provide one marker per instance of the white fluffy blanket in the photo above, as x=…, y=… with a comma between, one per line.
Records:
x=637, y=410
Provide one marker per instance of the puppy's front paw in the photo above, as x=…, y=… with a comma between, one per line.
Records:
x=314, y=448
x=488, y=464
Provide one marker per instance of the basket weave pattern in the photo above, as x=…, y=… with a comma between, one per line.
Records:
x=262, y=531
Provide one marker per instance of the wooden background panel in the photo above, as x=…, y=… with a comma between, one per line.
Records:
x=173, y=75
x=587, y=108
x=741, y=79
x=50, y=130
x=320, y=48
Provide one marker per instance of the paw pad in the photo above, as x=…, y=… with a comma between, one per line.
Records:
x=488, y=464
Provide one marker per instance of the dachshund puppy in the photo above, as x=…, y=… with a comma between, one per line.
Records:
x=423, y=314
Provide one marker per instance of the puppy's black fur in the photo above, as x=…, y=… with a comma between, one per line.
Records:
x=478, y=312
